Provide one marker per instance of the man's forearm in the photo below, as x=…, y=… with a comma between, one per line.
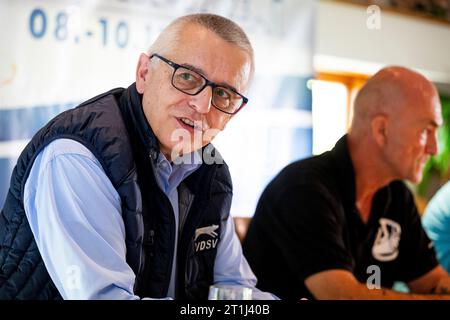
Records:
x=341, y=284
x=442, y=293
x=443, y=287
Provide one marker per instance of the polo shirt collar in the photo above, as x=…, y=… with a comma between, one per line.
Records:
x=345, y=172
x=347, y=182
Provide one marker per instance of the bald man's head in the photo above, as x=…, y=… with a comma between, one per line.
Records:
x=395, y=121
x=392, y=91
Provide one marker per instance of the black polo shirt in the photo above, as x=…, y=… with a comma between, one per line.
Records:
x=306, y=222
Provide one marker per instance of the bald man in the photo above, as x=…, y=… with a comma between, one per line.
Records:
x=343, y=225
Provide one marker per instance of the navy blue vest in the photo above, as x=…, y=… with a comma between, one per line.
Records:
x=114, y=128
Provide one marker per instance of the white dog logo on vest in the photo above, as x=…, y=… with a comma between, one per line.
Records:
x=385, y=247
x=206, y=244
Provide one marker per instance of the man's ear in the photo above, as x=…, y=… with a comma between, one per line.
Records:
x=379, y=129
x=142, y=72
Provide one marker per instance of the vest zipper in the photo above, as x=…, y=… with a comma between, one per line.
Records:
x=150, y=241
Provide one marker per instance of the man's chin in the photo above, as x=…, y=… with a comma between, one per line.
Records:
x=416, y=179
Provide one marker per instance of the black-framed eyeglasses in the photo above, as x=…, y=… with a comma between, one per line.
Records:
x=192, y=83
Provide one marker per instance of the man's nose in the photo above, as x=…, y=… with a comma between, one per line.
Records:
x=201, y=102
x=432, y=144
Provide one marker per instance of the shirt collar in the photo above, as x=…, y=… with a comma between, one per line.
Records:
x=345, y=172
x=170, y=175
x=347, y=181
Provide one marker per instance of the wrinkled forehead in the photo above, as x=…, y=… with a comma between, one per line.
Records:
x=213, y=57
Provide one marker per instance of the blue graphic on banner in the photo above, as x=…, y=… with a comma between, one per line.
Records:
x=6, y=166
x=294, y=93
x=280, y=92
x=302, y=146
x=23, y=123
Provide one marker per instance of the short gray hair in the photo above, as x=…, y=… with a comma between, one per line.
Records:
x=226, y=29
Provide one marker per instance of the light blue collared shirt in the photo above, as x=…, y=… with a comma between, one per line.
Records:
x=75, y=216
x=436, y=223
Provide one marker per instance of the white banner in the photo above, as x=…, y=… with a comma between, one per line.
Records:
x=57, y=53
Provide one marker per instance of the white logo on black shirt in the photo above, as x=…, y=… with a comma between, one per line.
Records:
x=206, y=244
x=385, y=247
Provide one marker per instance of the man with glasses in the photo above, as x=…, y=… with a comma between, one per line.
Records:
x=124, y=197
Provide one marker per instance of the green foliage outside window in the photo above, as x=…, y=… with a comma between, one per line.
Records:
x=437, y=168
